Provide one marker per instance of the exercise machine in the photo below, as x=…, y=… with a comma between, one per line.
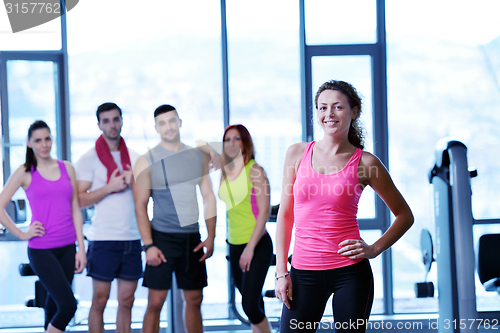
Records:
x=450, y=179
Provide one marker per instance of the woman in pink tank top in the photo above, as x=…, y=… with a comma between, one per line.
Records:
x=322, y=184
x=56, y=224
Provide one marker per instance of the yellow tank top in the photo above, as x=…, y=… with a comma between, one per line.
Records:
x=241, y=203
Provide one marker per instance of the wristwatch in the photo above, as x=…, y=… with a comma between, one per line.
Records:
x=146, y=247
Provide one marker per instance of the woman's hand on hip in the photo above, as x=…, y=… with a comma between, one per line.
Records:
x=35, y=229
x=356, y=249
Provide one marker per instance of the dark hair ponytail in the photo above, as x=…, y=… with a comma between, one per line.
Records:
x=30, y=162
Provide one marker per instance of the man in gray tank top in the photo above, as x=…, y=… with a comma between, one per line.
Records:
x=169, y=173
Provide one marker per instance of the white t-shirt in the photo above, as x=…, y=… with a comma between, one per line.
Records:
x=114, y=216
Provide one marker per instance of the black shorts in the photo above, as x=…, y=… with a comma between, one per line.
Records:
x=190, y=273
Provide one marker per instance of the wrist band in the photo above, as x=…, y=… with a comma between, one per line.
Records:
x=145, y=248
x=282, y=276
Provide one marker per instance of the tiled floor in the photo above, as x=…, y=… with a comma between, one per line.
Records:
x=12, y=316
x=32, y=319
x=216, y=326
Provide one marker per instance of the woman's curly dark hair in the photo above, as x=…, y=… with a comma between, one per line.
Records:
x=356, y=135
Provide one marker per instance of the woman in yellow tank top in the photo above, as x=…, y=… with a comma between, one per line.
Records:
x=245, y=189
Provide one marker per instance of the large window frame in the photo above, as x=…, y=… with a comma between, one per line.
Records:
x=60, y=58
x=376, y=51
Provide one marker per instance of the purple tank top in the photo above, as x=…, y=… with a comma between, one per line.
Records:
x=50, y=203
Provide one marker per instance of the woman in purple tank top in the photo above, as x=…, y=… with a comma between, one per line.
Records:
x=56, y=224
x=322, y=184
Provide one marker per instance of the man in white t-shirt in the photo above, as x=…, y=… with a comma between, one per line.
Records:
x=104, y=176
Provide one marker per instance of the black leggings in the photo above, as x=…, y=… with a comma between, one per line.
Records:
x=250, y=283
x=352, y=287
x=55, y=269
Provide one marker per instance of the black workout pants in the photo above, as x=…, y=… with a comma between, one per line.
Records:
x=55, y=269
x=250, y=283
x=352, y=288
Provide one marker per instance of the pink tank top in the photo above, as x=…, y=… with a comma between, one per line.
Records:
x=50, y=203
x=325, y=208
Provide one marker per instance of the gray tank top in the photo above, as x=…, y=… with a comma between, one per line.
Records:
x=174, y=176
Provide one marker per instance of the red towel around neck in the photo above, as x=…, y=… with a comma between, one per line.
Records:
x=104, y=154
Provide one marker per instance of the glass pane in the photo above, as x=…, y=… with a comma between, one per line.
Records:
x=340, y=22
x=139, y=58
x=430, y=68
x=341, y=68
x=264, y=77
x=42, y=37
x=408, y=269
x=449, y=23
x=31, y=96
